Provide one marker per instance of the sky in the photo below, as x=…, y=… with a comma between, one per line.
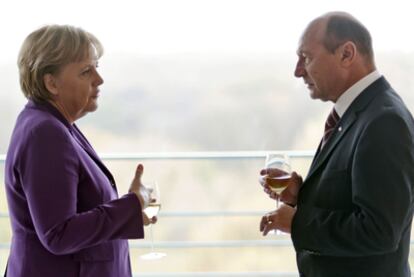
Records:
x=157, y=27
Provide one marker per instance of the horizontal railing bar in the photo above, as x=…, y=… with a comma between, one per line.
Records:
x=206, y=244
x=218, y=274
x=198, y=214
x=196, y=155
x=210, y=213
x=200, y=244
x=213, y=244
x=201, y=155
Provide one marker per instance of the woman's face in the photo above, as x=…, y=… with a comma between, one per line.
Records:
x=76, y=88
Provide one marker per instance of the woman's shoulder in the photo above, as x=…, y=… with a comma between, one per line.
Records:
x=37, y=130
x=38, y=122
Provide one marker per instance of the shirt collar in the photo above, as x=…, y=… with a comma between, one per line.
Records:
x=346, y=99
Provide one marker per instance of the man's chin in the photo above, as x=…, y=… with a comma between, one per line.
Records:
x=313, y=94
x=319, y=97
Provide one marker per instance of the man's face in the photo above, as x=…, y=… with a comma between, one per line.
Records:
x=316, y=65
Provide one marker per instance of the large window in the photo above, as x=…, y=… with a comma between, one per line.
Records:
x=202, y=75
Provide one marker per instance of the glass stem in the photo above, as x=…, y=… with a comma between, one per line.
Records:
x=152, y=238
x=277, y=232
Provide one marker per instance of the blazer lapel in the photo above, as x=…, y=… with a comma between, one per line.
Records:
x=76, y=134
x=84, y=143
x=322, y=154
x=345, y=124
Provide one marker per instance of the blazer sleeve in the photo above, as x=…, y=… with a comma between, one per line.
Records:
x=382, y=182
x=49, y=174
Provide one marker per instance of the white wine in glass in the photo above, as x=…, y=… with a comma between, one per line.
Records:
x=281, y=162
x=278, y=183
x=151, y=211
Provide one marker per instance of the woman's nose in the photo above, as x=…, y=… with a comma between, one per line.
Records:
x=99, y=80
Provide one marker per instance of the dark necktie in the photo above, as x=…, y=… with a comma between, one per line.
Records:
x=330, y=124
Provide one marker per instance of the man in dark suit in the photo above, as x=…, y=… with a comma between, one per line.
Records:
x=352, y=214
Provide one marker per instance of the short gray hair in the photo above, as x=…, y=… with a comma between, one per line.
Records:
x=46, y=50
x=342, y=27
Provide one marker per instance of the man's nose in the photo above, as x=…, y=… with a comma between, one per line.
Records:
x=300, y=69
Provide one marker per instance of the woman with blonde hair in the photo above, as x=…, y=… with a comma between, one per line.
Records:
x=66, y=217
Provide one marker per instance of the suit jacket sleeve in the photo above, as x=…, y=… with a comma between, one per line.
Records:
x=50, y=173
x=381, y=182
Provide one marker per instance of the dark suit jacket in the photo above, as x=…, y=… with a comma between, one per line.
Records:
x=355, y=207
x=65, y=214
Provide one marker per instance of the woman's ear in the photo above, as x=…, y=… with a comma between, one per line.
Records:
x=50, y=83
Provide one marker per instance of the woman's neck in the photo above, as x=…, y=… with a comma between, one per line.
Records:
x=62, y=110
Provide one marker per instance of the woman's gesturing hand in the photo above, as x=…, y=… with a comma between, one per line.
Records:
x=143, y=194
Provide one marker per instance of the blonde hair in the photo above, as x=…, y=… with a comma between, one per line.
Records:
x=46, y=50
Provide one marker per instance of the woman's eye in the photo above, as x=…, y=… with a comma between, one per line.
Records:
x=86, y=72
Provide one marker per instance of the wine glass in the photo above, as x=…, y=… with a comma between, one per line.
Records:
x=151, y=211
x=278, y=183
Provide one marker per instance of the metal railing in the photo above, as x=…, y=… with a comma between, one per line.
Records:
x=201, y=155
x=202, y=244
x=219, y=155
x=219, y=274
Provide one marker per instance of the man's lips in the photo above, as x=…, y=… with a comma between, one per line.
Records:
x=309, y=85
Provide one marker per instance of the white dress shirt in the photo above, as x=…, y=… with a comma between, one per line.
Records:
x=346, y=99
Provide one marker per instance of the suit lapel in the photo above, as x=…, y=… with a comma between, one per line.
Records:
x=345, y=124
x=322, y=154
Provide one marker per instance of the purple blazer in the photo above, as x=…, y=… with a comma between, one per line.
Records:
x=66, y=217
